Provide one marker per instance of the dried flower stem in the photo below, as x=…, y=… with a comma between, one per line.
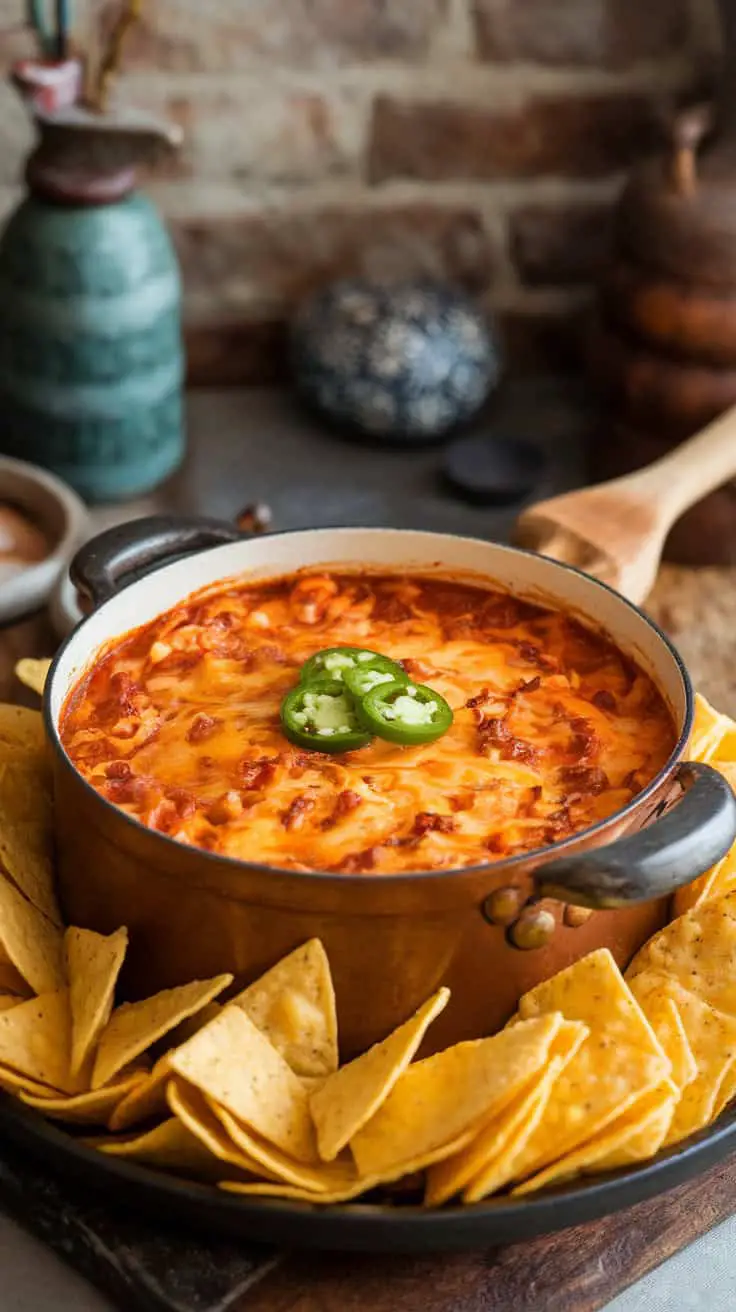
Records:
x=111, y=58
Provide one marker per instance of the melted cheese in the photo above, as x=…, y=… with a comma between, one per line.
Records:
x=178, y=723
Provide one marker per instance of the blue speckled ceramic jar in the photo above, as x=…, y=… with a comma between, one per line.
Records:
x=91, y=362
x=402, y=363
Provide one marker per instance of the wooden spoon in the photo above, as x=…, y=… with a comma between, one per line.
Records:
x=616, y=530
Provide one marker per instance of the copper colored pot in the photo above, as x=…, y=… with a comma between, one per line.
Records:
x=391, y=939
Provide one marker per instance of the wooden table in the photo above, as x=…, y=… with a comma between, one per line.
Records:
x=247, y=447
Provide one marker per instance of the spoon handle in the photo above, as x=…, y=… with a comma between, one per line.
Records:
x=695, y=468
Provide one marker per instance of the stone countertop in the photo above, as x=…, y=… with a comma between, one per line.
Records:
x=252, y=446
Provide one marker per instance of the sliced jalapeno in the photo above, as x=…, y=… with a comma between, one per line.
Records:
x=362, y=679
x=355, y=666
x=322, y=715
x=405, y=713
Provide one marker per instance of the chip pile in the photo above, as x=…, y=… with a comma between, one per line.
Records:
x=594, y=1072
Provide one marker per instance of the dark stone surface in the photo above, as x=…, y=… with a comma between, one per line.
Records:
x=258, y=446
x=142, y=1269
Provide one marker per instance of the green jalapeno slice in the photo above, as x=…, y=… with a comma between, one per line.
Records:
x=364, y=678
x=405, y=713
x=358, y=667
x=322, y=716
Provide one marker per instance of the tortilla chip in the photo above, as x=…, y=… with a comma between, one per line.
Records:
x=494, y=1148
x=350, y=1097
x=712, y=1038
x=363, y=1185
x=594, y=991
x=191, y=1108
x=146, y=1100
x=500, y=1166
x=12, y=1082
x=724, y=880
x=619, y=1062
x=324, y=1177
x=134, y=1026
x=35, y=1040
x=193, y=1024
x=443, y=1097
x=709, y=730
x=89, y=1108
x=664, y=1017
x=169, y=1146
x=233, y=1063
x=645, y=1138
x=697, y=891
x=21, y=732
x=26, y=791
x=294, y=1005
x=26, y=854
x=313, y=1082
x=716, y=882
x=93, y=964
x=260, y=1189
x=638, y=1134
x=9, y=1000
x=698, y=951
x=11, y=981
x=33, y=673
x=30, y=941
x=725, y=762
x=726, y=1091
x=149, y=1098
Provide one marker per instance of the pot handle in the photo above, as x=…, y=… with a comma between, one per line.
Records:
x=101, y=566
x=695, y=833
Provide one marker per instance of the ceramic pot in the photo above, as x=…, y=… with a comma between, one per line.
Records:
x=678, y=318
x=402, y=363
x=653, y=391
x=664, y=352
x=91, y=362
x=391, y=940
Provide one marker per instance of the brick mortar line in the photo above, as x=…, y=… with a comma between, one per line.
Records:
x=500, y=84
x=226, y=201
x=456, y=35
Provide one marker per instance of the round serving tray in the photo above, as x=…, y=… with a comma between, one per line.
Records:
x=376, y=1227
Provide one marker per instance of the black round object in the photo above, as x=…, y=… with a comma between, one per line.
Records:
x=368, y=1227
x=401, y=363
x=488, y=470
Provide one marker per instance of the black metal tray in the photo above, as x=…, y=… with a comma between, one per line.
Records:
x=367, y=1227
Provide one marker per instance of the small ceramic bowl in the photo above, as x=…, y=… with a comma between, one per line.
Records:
x=62, y=516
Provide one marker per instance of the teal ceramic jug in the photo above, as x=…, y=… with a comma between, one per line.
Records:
x=91, y=362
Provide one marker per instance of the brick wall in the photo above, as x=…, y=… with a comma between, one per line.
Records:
x=483, y=140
